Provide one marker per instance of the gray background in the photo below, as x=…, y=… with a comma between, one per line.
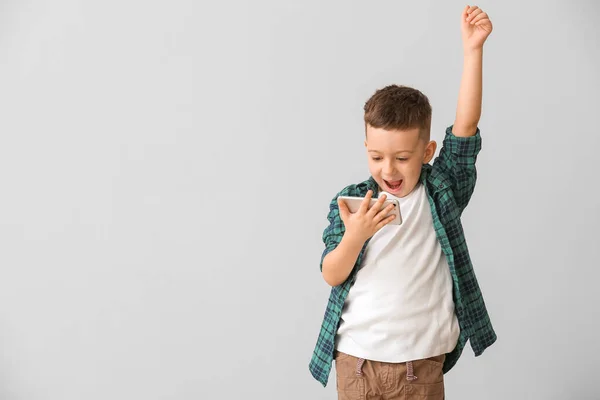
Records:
x=166, y=169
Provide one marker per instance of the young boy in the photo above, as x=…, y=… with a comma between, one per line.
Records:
x=404, y=298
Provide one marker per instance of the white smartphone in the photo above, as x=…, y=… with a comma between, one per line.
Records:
x=355, y=202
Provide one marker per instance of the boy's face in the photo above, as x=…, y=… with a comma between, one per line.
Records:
x=396, y=157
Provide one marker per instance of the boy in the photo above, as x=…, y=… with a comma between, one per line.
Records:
x=404, y=298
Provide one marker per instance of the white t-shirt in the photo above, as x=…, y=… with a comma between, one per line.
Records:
x=400, y=307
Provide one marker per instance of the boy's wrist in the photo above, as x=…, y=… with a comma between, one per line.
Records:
x=473, y=52
x=353, y=240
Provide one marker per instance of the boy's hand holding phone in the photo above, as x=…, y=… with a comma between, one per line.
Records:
x=364, y=223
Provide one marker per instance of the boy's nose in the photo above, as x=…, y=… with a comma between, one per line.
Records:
x=389, y=170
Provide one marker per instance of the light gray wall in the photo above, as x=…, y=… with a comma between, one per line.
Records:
x=166, y=168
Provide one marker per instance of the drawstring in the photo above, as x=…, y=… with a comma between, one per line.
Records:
x=359, y=365
x=410, y=374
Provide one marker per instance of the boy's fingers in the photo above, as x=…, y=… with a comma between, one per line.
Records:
x=385, y=222
x=377, y=206
x=485, y=22
x=364, y=207
x=383, y=214
x=465, y=12
x=474, y=13
x=472, y=8
x=479, y=17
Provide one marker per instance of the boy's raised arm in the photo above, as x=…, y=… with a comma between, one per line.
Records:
x=475, y=28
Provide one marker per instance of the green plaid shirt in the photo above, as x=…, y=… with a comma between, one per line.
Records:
x=449, y=183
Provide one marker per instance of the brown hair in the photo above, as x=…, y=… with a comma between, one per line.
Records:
x=399, y=108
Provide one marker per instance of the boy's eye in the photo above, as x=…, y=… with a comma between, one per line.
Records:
x=398, y=158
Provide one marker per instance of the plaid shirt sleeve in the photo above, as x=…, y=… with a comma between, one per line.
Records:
x=456, y=161
x=332, y=235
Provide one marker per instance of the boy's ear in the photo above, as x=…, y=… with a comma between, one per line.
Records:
x=429, y=151
x=365, y=143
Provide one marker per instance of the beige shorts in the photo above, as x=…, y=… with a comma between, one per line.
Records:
x=360, y=379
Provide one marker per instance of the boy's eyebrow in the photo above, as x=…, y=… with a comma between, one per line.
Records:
x=401, y=151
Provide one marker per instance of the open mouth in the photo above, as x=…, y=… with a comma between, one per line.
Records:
x=393, y=185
